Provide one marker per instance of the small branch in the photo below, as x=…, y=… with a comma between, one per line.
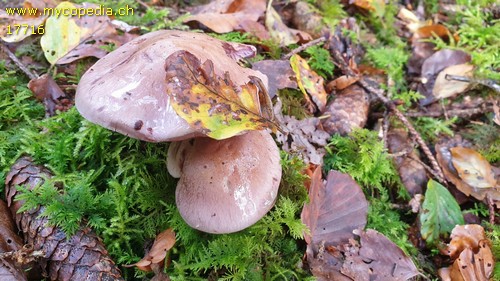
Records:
x=372, y=87
x=19, y=64
x=454, y=112
x=486, y=82
x=303, y=47
x=385, y=129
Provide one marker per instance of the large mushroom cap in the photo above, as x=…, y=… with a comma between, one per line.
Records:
x=125, y=91
x=228, y=185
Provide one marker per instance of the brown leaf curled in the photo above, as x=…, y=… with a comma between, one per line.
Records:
x=471, y=251
x=163, y=242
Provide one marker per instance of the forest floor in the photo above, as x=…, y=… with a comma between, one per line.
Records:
x=386, y=116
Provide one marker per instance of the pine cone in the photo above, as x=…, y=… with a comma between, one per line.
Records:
x=80, y=257
x=348, y=110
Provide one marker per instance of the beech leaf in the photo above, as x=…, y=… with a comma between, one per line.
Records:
x=211, y=104
x=163, y=242
x=68, y=38
x=334, y=210
x=472, y=167
x=439, y=214
x=310, y=83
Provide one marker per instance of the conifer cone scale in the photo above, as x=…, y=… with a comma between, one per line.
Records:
x=80, y=257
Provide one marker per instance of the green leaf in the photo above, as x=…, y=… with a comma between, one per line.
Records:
x=62, y=34
x=439, y=214
x=213, y=105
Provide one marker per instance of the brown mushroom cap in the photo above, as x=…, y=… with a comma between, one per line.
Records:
x=228, y=185
x=125, y=91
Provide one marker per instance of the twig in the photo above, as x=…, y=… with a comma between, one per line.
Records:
x=372, y=87
x=454, y=112
x=385, y=129
x=305, y=46
x=29, y=73
x=486, y=82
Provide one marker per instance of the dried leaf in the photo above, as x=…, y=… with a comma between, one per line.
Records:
x=347, y=111
x=439, y=214
x=444, y=88
x=335, y=209
x=210, y=104
x=374, y=258
x=310, y=83
x=278, y=31
x=68, y=38
x=341, y=83
x=279, y=73
x=46, y=90
x=9, y=240
x=378, y=259
x=223, y=16
x=376, y=6
x=163, y=242
x=433, y=65
x=10, y=269
x=444, y=158
x=472, y=167
x=472, y=254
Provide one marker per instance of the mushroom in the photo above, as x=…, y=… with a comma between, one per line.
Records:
x=125, y=92
x=232, y=182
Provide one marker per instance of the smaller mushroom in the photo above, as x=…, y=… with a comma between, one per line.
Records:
x=226, y=185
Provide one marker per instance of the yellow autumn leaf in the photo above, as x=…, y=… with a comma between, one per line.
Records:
x=309, y=82
x=62, y=34
x=213, y=105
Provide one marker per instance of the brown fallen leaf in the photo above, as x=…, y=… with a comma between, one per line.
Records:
x=334, y=210
x=10, y=270
x=341, y=83
x=156, y=255
x=348, y=110
x=279, y=73
x=224, y=16
x=472, y=167
x=433, y=65
x=471, y=251
x=444, y=158
x=47, y=91
x=444, y=88
x=310, y=83
x=279, y=32
x=378, y=259
x=374, y=257
x=412, y=173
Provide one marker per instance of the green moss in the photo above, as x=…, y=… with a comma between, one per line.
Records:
x=293, y=103
x=362, y=155
x=18, y=112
